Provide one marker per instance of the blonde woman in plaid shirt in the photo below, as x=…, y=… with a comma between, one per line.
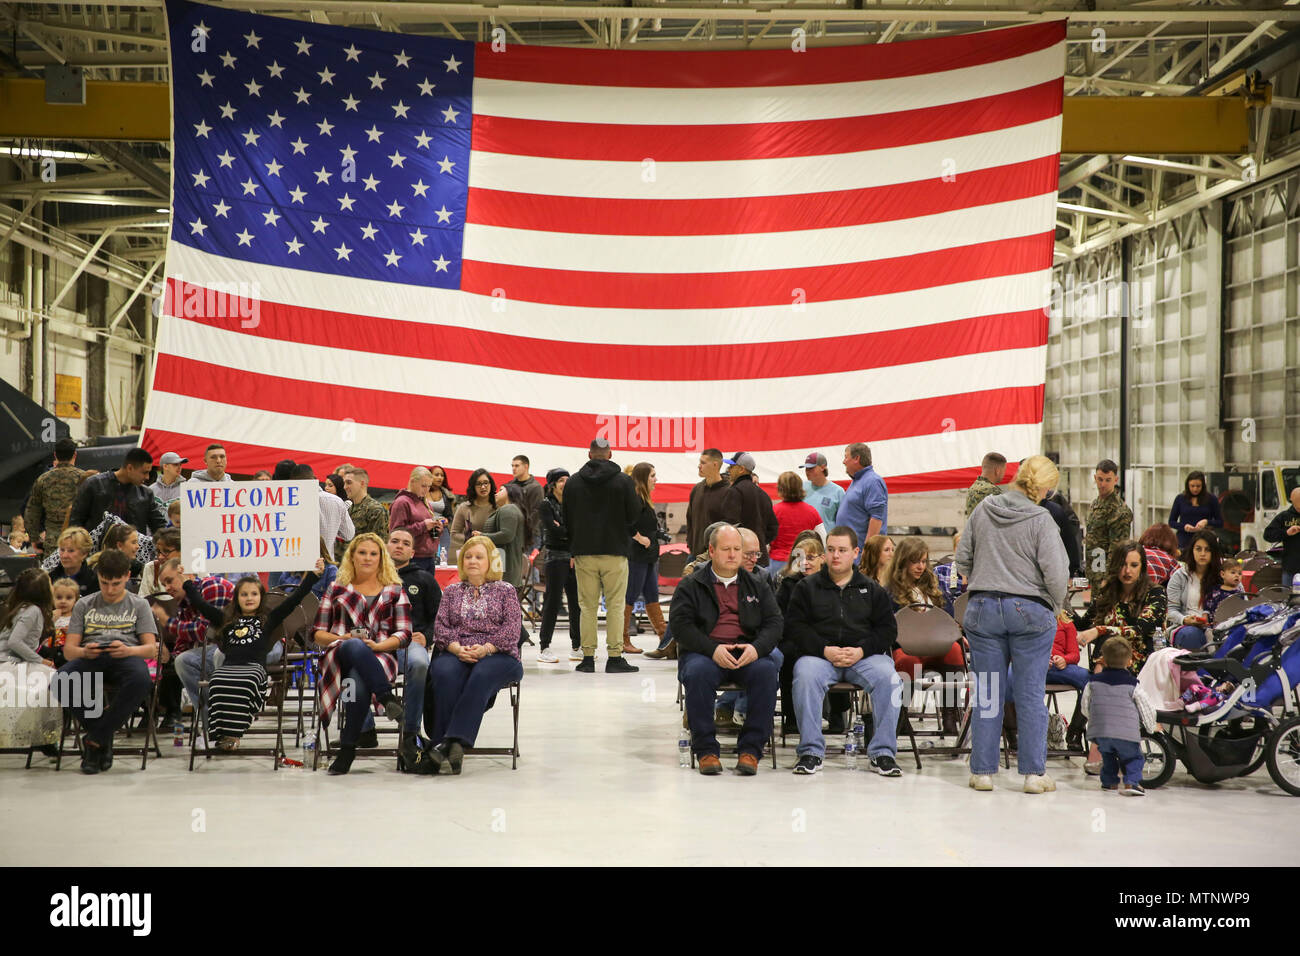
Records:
x=362, y=619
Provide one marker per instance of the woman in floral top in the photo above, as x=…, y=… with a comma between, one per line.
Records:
x=1128, y=605
x=477, y=635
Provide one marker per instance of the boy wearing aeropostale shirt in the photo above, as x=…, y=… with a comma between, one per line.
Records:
x=111, y=633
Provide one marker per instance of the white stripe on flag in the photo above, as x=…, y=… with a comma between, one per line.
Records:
x=573, y=103
x=786, y=176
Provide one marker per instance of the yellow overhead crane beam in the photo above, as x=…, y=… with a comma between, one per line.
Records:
x=1090, y=124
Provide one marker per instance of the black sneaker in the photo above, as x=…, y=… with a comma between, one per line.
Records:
x=885, y=766
x=617, y=665
x=588, y=666
x=368, y=738
x=808, y=764
x=408, y=757
x=106, y=756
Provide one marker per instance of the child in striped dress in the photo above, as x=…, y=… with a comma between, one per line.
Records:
x=239, y=686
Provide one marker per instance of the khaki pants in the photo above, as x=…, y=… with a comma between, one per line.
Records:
x=601, y=574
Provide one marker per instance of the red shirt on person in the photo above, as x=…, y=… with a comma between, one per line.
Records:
x=793, y=518
x=728, y=627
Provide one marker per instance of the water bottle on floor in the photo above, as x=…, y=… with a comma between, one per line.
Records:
x=683, y=747
x=859, y=741
x=850, y=750
x=1295, y=583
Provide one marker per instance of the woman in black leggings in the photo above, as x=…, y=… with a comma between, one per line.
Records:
x=560, y=578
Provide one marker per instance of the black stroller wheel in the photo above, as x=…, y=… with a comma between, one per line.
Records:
x=1284, y=755
x=1159, y=760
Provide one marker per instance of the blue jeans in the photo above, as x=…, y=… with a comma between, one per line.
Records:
x=359, y=664
x=1005, y=631
x=189, y=666
x=701, y=677
x=814, y=675
x=462, y=692
x=642, y=582
x=1117, y=753
x=131, y=686
x=414, y=662
x=1190, y=636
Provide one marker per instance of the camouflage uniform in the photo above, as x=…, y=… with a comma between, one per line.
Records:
x=367, y=515
x=978, y=492
x=47, y=508
x=1110, y=521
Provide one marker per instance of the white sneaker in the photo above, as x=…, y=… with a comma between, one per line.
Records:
x=1039, y=783
x=981, y=781
x=547, y=656
x=575, y=654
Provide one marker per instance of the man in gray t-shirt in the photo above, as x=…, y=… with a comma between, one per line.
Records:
x=110, y=636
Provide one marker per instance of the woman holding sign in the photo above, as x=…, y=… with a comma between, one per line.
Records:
x=362, y=619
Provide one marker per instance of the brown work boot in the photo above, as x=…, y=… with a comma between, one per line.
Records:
x=669, y=653
x=710, y=765
x=628, y=646
x=747, y=765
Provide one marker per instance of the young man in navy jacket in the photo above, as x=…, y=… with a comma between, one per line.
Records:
x=843, y=624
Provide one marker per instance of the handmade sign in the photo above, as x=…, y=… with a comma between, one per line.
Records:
x=249, y=526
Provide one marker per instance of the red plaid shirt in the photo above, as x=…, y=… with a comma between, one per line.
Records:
x=1159, y=565
x=343, y=608
x=187, y=626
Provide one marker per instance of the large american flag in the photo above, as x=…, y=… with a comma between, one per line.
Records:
x=393, y=250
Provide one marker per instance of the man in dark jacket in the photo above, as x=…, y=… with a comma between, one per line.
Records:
x=1067, y=522
x=533, y=491
x=600, y=507
x=122, y=493
x=1285, y=528
x=705, y=505
x=423, y=592
x=726, y=623
x=843, y=622
x=746, y=505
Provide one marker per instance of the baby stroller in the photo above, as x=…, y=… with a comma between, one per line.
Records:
x=1258, y=655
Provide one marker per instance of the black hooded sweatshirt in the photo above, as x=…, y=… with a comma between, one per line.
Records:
x=600, y=508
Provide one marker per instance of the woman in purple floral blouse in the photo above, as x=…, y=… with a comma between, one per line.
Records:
x=477, y=636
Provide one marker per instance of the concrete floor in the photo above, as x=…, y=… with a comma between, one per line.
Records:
x=599, y=783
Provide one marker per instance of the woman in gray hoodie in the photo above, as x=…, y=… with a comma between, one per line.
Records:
x=1012, y=555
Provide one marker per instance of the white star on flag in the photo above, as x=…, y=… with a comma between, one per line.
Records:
x=343, y=252
x=453, y=64
x=221, y=208
x=319, y=225
x=197, y=226
x=392, y=257
x=294, y=245
x=245, y=238
x=441, y=263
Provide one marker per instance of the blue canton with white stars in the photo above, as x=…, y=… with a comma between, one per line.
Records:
x=321, y=148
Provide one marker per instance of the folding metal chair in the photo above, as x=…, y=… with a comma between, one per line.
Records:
x=924, y=632
x=513, y=750
x=72, y=724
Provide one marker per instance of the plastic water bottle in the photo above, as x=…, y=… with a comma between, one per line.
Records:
x=1295, y=583
x=859, y=741
x=442, y=556
x=683, y=748
x=178, y=733
x=850, y=750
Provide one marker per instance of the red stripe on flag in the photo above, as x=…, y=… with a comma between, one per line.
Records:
x=692, y=69
x=736, y=141
x=703, y=290
x=819, y=356
x=539, y=425
x=734, y=216
x=246, y=459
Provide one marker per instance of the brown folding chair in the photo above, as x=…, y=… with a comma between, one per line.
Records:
x=1274, y=593
x=1234, y=605
x=513, y=750
x=1268, y=577
x=924, y=632
x=72, y=725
